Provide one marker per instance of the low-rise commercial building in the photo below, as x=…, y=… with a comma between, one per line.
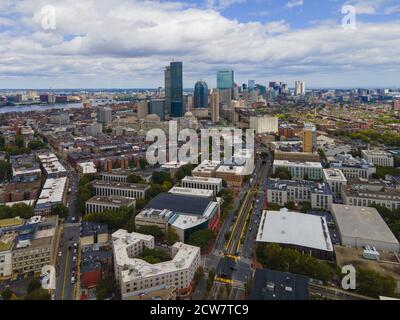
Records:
x=100, y=203
x=378, y=157
x=119, y=175
x=206, y=169
x=120, y=189
x=134, y=274
x=306, y=233
x=362, y=226
x=214, y=184
x=300, y=170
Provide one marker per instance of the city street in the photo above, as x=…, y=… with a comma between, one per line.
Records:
x=66, y=263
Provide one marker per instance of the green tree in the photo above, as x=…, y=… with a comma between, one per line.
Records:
x=166, y=186
x=374, y=284
x=133, y=178
x=34, y=285
x=171, y=237
x=154, y=256
x=36, y=145
x=61, y=211
x=7, y=294
x=154, y=190
x=39, y=294
x=201, y=238
x=154, y=231
x=183, y=171
x=105, y=288
x=5, y=170
x=113, y=219
x=282, y=173
x=198, y=275
x=159, y=177
x=19, y=141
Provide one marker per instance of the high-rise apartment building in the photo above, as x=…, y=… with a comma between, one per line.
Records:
x=104, y=115
x=215, y=106
x=309, y=138
x=174, y=89
x=200, y=95
x=300, y=88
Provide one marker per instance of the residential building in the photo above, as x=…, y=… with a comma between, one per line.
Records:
x=104, y=115
x=54, y=192
x=300, y=170
x=309, y=138
x=335, y=179
x=352, y=167
x=134, y=274
x=379, y=158
x=318, y=194
x=264, y=124
x=215, y=106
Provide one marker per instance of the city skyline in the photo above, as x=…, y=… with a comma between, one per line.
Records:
x=119, y=45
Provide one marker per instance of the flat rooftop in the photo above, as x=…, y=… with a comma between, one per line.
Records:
x=180, y=203
x=362, y=222
x=117, y=201
x=334, y=175
x=276, y=285
x=207, y=166
x=287, y=163
x=313, y=186
x=124, y=185
x=202, y=179
x=292, y=228
x=11, y=222
x=191, y=192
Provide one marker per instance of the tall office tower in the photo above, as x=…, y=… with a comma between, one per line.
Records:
x=225, y=96
x=300, y=88
x=104, y=115
x=167, y=77
x=200, y=95
x=251, y=85
x=309, y=138
x=215, y=106
x=157, y=106
x=225, y=80
x=142, y=109
x=175, y=89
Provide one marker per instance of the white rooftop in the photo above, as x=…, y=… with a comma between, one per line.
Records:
x=138, y=268
x=88, y=167
x=207, y=166
x=51, y=163
x=287, y=163
x=192, y=192
x=294, y=228
x=362, y=222
x=53, y=191
x=334, y=175
x=202, y=179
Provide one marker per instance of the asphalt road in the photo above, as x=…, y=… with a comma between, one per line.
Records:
x=66, y=263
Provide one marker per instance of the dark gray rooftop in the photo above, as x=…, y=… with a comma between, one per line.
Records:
x=180, y=203
x=275, y=285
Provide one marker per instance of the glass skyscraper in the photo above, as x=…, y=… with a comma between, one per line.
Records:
x=174, y=89
x=200, y=95
x=225, y=79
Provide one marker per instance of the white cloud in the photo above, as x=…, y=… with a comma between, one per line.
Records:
x=294, y=3
x=127, y=43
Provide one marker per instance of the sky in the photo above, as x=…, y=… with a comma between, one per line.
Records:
x=127, y=43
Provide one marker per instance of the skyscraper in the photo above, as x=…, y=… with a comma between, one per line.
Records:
x=225, y=79
x=104, y=115
x=215, y=106
x=300, y=88
x=200, y=95
x=174, y=89
x=251, y=85
x=309, y=138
